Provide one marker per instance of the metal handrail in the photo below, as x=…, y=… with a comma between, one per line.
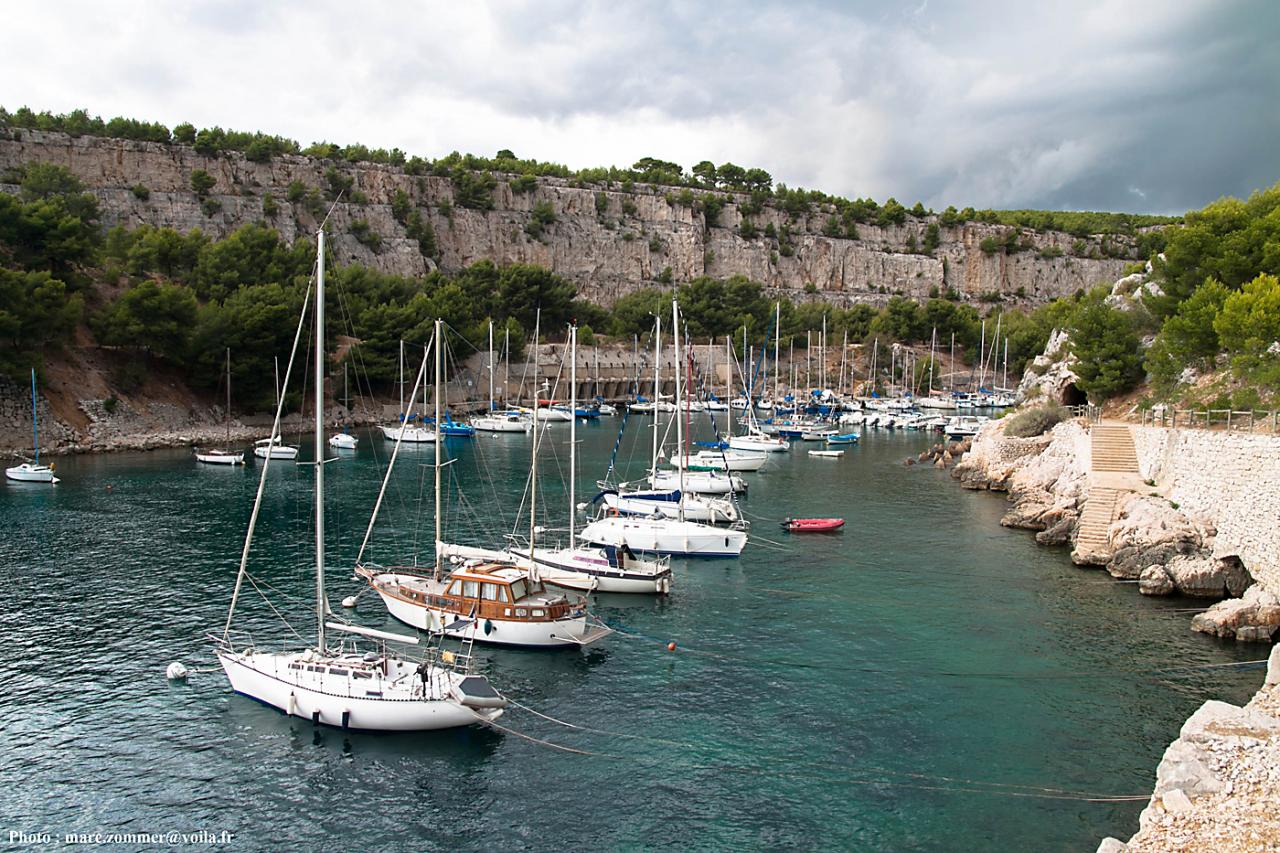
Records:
x=1227, y=420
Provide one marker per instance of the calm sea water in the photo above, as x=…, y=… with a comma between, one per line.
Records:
x=913, y=682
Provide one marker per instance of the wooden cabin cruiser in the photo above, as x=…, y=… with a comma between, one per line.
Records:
x=490, y=602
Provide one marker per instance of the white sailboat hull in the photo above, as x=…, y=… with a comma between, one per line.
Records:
x=494, y=424
x=343, y=700
x=276, y=452
x=344, y=441
x=681, y=538
x=220, y=457
x=699, y=482
x=758, y=443
x=412, y=435
x=730, y=461
x=588, y=570
x=711, y=511
x=29, y=473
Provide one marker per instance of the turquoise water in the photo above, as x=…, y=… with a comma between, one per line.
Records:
x=910, y=683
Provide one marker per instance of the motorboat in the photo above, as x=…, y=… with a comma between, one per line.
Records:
x=343, y=441
x=812, y=525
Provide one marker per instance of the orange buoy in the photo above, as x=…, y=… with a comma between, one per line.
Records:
x=671, y=647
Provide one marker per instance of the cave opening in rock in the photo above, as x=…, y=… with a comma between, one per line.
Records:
x=1073, y=396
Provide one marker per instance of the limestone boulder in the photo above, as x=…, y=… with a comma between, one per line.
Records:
x=1203, y=576
x=1254, y=617
x=1154, y=580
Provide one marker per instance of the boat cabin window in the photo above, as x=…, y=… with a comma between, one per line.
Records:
x=315, y=669
x=295, y=666
x=336, y=671
x=521, y=612
x=471, y=589
x=495, y=592
x=518, y=589
x=358, y=674
x=456, y=588
x=536, y=613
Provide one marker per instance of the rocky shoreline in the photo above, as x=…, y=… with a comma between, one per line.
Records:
x=1217, y=786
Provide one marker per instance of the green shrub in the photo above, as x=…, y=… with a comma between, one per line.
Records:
x=1034, y=422
x=140, y=192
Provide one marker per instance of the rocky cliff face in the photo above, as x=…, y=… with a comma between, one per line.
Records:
x=607, y=253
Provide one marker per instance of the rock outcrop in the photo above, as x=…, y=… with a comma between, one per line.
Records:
x=1217, y=784
x=607, y=240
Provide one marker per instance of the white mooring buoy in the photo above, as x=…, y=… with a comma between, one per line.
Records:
x=349, y=601
x=176, y=672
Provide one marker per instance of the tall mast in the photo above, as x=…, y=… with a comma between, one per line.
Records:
x=982, y=353
x=506, y=365
x=228, y=415
x=728, y=383
x=276, y=359
x=746, y=366
x=808, y=363
x=491, y=367
x=35, y=421
x=777, y=339
x=319, y=443
x=844, y=353
x=439, y=449
x=533, y=458
x=953, y=361
x=635, y=361
x=1004, y=381
x=657, y=374
x=573, y=426
x=401, y=383
x=822, y=352
x=676, y=345
x=933, y=345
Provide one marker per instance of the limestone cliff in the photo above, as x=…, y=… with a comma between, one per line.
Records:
x=607, y=252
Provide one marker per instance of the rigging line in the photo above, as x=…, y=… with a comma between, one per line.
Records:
x=542, y=742
x=862, y=769
x=1156, y=672
x=278, y=614
x=373, y=518
x=262, y=478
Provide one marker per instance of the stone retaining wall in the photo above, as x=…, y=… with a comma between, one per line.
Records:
x=1231, y=480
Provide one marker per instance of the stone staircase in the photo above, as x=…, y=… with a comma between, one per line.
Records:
x=1113, y=472
x=1112, y=448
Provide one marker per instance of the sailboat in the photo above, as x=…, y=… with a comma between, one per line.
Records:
x=338, y=684
x=493, y=420
x=344, y=440
x=32, y=472
x=273, y=447
x=661, y=535
x=587, y=568
x=486, y=599
x=220, y=456
x=402, y=432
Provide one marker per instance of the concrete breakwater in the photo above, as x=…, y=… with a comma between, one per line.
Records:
x=1190, y=512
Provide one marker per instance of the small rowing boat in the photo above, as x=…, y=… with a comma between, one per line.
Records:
x=827, y=454
x=812, y=525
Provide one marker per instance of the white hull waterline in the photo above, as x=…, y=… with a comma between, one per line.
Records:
x=28, y=473
x=679, y=538
x=220, y=457
x=388, y=696
x=412, y=435
x=501, y=423
x=587, y=569
x=694, y=507
x=759, y=443
x=730, y=460
x=699, y=482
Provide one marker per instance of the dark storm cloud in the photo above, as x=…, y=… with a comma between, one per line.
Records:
x=1105, y=104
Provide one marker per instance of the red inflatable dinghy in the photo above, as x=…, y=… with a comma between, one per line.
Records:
x=812, y=525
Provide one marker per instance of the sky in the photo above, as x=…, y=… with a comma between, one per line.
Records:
x=1124, y=105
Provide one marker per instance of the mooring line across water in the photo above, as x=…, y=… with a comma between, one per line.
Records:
x=1157, y=673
